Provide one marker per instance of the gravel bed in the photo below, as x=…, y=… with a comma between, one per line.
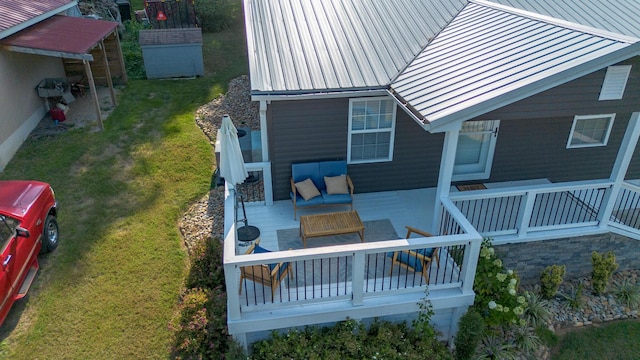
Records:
x=205, y=218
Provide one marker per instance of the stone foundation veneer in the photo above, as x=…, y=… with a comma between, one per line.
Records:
x=529, y=259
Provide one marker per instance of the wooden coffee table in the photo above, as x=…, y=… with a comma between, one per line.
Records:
x=337, y=223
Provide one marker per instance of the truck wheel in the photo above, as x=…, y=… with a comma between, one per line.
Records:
x=50, y=234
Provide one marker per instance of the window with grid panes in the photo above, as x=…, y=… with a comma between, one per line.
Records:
x=371, y=130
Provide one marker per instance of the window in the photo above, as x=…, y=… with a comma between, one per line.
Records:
x=614, y=82
x=8, y=227
x=372, y=124
x=590, y=130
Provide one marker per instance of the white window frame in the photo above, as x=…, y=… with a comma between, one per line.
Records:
x=588, y=117
x=391, y=130
x=615, y=81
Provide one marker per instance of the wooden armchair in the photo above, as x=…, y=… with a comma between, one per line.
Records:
x=418, y=260
x=270, y=275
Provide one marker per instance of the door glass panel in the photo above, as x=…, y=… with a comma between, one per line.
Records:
x=474, y=153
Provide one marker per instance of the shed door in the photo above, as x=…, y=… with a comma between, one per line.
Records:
x=474, y=155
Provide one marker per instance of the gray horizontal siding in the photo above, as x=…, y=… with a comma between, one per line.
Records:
x=534, y=131
x=536, y=148
x=313, y=130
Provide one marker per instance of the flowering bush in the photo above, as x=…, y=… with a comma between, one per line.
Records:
x=497, y=298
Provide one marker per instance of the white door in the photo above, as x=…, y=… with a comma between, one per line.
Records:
x=474, y=155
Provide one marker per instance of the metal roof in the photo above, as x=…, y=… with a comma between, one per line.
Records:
x=17, y=14
x=335, y=45
x=617, y=16
x=61, y=36
x=170, y=36
x=486, y=58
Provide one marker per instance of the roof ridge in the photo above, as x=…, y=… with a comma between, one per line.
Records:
x=404, y=68
x=558, y=22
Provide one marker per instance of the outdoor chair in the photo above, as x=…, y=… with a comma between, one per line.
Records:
x=270, y=275
x=418, y=260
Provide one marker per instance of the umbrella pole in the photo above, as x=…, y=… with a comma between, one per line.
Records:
x=244, y=211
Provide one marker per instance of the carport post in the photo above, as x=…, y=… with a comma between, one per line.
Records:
x=94, y=92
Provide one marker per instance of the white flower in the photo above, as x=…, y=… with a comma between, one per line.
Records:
x=512, y=292
x=521, y=299
x=510, y=272
x=491, y=251
x=513, y=281
x=492, y=305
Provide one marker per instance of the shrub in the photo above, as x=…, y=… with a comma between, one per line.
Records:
x=494, y=347
x=627, y=293
x=200, y=328
x=216, y=15
x=550, y=280
x=536, y=313
x=497, y=299
x=207, y=269
x=527, y=340
x=548, y=337
x=350, y=340
x=470, y=330
x=603, y=268
x=131, y=50
x=574, y=296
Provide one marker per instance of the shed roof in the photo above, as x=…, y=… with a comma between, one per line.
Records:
x=62, y=36
x=27, y=12
x=170, y=36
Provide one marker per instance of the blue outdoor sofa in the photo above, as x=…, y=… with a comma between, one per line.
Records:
x=320, y=183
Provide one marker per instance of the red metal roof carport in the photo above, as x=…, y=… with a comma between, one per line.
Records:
x=72, y=38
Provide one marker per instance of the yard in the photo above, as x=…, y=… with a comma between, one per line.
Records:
x=112, y=286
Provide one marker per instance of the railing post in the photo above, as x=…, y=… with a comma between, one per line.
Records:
x=525, y=214
x=357, y=281
x=267, y=183
x=620, y=167
x=470, y=264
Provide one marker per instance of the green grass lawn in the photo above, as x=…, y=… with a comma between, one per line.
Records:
x=111, y=287
x=619, y=340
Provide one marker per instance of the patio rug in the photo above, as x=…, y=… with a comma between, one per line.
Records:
x=375, y=230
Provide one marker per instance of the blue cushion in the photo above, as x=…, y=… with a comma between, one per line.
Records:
x=259, y=250
x=333, y=168
x=301, y=172
x=300, y=201
x=336, y=198
x=411, y=260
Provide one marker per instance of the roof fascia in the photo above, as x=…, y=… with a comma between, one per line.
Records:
x=539, y=86
x=558, y=22
x=51, y=53
x=319, y=95
x=37, y=19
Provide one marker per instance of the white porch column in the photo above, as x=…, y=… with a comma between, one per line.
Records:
x=446, y=172
x=263, y=130
x=620, y=167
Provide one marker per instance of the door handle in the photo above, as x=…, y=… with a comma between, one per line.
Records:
x=6, y=261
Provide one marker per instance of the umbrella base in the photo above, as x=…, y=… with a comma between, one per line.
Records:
x=247, y=236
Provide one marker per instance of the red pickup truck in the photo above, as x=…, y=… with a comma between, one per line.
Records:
x=28, y=226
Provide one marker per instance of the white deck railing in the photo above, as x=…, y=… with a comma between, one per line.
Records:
x=524, y=212
x=350, y=273
x=626, y=211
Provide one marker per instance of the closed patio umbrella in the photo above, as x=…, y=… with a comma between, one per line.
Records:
x=232, y=167
x=234, y=172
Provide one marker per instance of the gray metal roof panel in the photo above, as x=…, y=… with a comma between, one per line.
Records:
x=618, y=16
x=331, y=45
x=485, y=53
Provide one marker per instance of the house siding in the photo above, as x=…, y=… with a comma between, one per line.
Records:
x=534, y=131
x=312, y=130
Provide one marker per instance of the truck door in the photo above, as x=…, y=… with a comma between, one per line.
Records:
x=8, y=270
